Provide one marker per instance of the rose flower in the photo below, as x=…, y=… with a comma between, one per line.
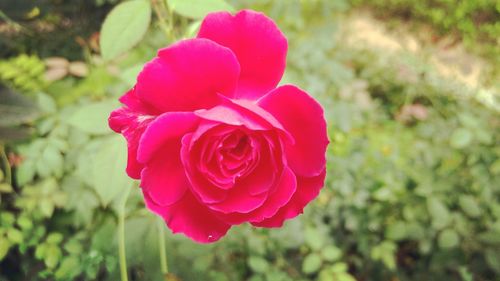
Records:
x=212, y=138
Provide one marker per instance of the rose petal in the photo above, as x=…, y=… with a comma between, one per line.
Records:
x=159, y=149
x=188, y=75
x=132, y=101
x=307, y=189
x=200, y=186
x=257, y=42
x=163, y=178
x=190, y=217
x=284, y=191
x=238, y=200
x=168, y=126
x=131, y=124
x=252, y=111
x=232, y=116
x=267, y=169
x=303, y=118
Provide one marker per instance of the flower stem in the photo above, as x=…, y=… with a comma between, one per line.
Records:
x=121, y=238
x=164, y=23
x=162, y=247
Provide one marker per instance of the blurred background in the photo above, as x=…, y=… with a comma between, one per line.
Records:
x=411, y=94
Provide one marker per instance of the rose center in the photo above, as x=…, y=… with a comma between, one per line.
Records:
x=229, y=157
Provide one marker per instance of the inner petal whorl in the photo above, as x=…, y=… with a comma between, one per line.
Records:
x=226, y=157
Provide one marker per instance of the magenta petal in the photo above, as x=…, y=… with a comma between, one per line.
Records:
x=132, y=101
x=258, y=44
x=239, y=201
x=307, y=189
x=282, y=194
x=303, y=118
x=252, y=111
x=168, y=126
x=232, y=116
x=188, y=75
x=131, y=124
x=163, y=178
x=200, y=186
x=190, y=217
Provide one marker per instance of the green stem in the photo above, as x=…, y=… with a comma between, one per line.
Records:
x=6, y=164
x=163, y=22
x=121, y=238
x=162, y=246
x=9, y=21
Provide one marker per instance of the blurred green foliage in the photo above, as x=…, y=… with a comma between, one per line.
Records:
x=474, y=21
x=412, y=190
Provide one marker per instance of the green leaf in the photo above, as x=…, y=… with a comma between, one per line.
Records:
x=448, y=239
x=465, y=274
x=385, y=252
x=73, y=247
x=469, y=205
x=344, y=276
x=493, y=259
x=40, y=251
x=331, y=253
x=339, y=267
x=124, y=27
x=55, y=238
x=258, y=264
x=7, y=219
x=439, y=213
x=490, y=237
x=5, y=188
x=69, y=268
x=108, y=170
x=46, y=103
x=312, y=263
x=25, y=223
x=4, y=247
x=14, y=235
x=25, y=173
x=198, y=9
x=52, y=256
x=460, y=138
x=396, y=231
x=93, y=118
x=46, y=207
x=314, y=238
x=129, y=75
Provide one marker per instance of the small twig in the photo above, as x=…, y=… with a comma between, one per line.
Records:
x=163, y=22
x=6, y=164
x=14, y=24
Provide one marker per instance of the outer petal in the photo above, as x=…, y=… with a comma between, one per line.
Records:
x=188, y=75
x=131, y=124
x=163, y=178
x=190, y=217
x=257, y=42
x=307, y=190
x=303, y=118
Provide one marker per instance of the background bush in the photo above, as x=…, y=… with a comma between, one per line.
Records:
x=412, y=190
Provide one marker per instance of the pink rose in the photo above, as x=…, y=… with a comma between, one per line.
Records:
x=212, y=139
